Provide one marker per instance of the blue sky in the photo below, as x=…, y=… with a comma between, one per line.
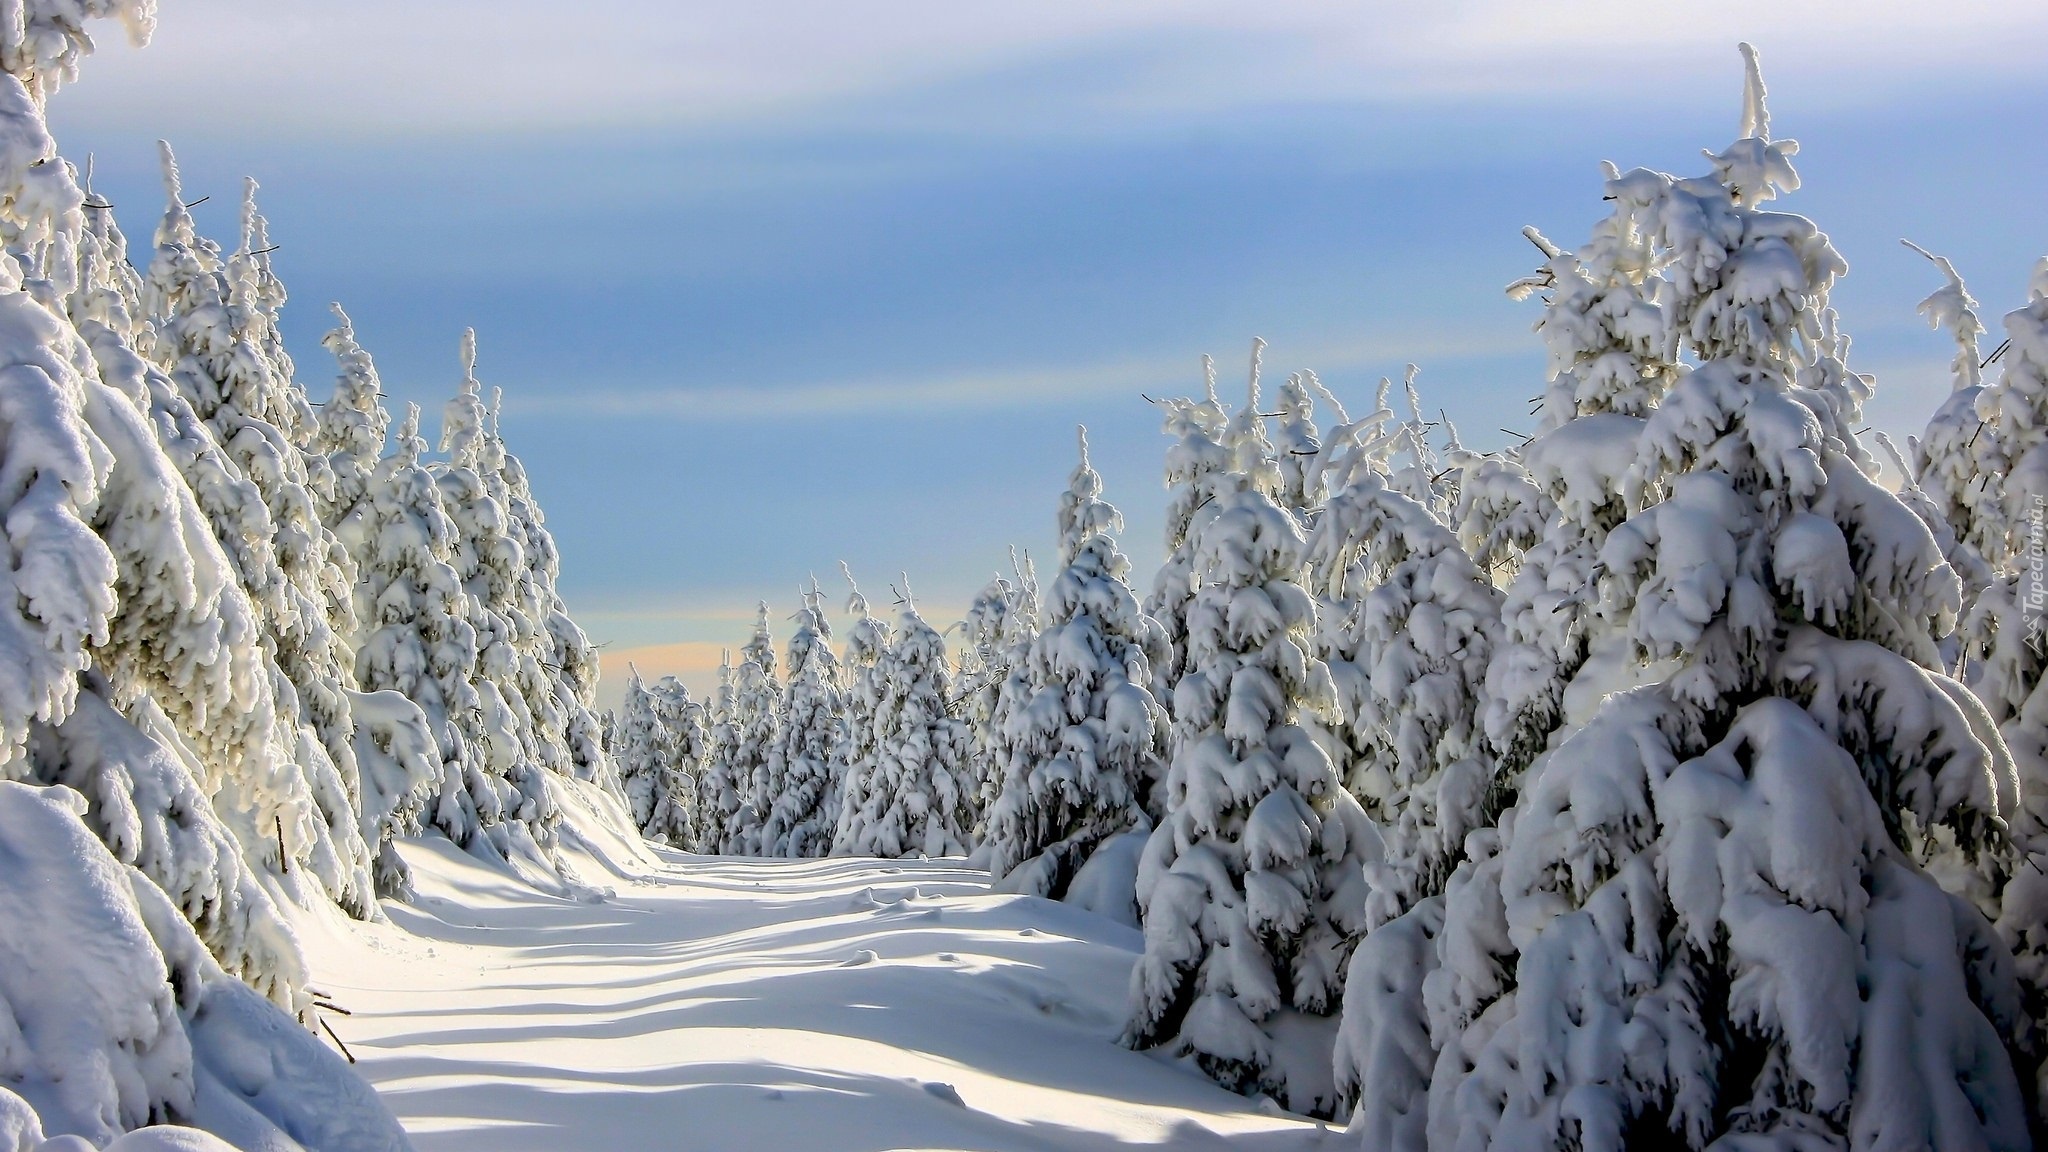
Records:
x=773, y=288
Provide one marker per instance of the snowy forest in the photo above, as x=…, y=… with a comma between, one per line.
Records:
x=1675, y=776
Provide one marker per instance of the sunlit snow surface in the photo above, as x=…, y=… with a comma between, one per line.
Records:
x=713, y=1003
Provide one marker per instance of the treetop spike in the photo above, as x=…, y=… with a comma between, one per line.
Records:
x=468, y=354
x=249, y=187
x=173, y=183
x=1756, y=114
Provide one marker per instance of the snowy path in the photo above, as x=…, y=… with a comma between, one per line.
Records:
x=840, y=1006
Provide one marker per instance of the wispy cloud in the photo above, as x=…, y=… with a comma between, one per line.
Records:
x=1027, y=387
x=405, y=66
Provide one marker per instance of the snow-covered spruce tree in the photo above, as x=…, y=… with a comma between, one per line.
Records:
x=2005, y=653
x=1707, y=922
x=1612, y=345
x=398, y=755
x=420, y=642
x=1196, y=467
x=998, y=629
x=1411, y=461
x=756, y=700
x=912, y=792
x=639, y=745
x=1958, y=461
x=148, y=780
x=528, y=677
x=2017, y=407
x=718, y=789
x=1082, y=743
x=984, y=665
x=184, y=661
x=569, y=688
x=207, y=312
x=350, y=436
x=121, y=595
x=867, y=641
x=1410, y=626
x=1252, y=457
x=1299, y=446
x=646, y=752
x=1253, y=885
x=797, y=825
x=491, y=563
x=673, y=818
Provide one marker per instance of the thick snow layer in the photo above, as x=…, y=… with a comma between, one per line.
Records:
x=850, y=1004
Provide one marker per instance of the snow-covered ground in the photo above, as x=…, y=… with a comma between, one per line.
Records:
x=715, y=1003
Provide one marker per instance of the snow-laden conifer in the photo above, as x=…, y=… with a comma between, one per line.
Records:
x=911, y=791
x=114, y=570
x=673, y=818
x=1705, y=919
x=419, y=641
x=639, y=744
x=160, y=787
x=756, y=703
x=524, y=666
x=352, y=428
x=998, y=629
x=2005, y=654
x=658, y=736
x=1959, y=460
x=117, y=577
x=1300, y=445
x=1196, y=467
x=2017, y=407
x=210, y=313
x=561, y=687
x=867, y=641
x=718, y=786
x=1253, y=885
x=1081, y=743
x=797, y=824
x=1612, y=340
x=1411, y=625
x=490, y=559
